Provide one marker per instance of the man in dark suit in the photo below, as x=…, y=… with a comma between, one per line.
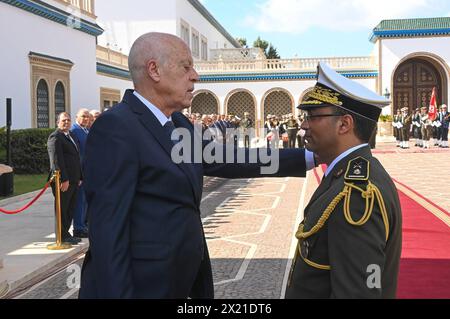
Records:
x=145, y=230
x=63, y=151
x=350, y=240
x=80, y=130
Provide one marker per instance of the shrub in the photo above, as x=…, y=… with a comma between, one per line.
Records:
x=29, y=150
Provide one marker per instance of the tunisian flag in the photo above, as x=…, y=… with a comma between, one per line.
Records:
x=432, y=111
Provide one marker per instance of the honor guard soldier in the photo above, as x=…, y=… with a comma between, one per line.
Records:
x=417, y=134
x=445, y=124
x=349, y=243
x=406, y=127
x=246, y=124
x=426, y=126
x=396, y=123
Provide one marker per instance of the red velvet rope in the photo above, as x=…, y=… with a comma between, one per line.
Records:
x=29, y=204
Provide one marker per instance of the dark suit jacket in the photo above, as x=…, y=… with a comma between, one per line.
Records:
x=349, y=250
x=64, y=156
x=145, y=230
x=81, y=135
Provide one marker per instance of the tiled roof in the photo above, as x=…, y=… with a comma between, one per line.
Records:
x=411, y=28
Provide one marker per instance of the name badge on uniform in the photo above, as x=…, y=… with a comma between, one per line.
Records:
x=357, y=170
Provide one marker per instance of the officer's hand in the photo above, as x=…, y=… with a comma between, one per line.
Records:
x=65, y=186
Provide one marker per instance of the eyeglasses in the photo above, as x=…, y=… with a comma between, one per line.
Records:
x=310, y=117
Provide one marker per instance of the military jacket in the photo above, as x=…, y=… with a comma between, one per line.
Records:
x=355, y=251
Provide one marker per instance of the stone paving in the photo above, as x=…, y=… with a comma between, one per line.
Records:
x=249, y=237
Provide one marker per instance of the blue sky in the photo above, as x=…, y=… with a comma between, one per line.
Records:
x=317, y=28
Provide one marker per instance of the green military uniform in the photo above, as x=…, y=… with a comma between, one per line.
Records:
x=292, y=129
x=337, y=260
x=245, y=125
x=349, y=244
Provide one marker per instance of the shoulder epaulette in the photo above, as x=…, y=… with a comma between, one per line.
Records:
x=358, y=169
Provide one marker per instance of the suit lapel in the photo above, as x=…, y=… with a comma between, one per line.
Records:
x=151, y=123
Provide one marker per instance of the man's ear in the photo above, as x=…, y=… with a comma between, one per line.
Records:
x=153, y=70
x=346, y=124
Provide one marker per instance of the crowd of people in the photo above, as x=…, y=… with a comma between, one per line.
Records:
x=279, y=131
x=427, y=130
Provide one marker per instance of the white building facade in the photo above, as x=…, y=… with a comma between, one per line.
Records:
x=48, y=59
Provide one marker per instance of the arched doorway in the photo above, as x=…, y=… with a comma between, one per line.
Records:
x=279, y=103
x=240, y=102
x=414, y=81
x=205, y=103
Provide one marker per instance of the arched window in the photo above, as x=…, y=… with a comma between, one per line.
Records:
x=205, y=103
x=60, y=99
x=42, y=105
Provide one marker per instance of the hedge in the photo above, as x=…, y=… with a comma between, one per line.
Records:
x=29, y=150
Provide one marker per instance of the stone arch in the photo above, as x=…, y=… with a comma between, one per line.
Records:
x=414, y=78
x=205, y=102
x=239, y=101
x=277, y=101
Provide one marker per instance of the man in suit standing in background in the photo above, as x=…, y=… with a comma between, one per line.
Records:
x=145, y=230
x=63, y=151
x=81, y=131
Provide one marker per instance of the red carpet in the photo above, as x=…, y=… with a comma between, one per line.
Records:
x=425, y=261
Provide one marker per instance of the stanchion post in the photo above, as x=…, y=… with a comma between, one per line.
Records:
x=59, y=244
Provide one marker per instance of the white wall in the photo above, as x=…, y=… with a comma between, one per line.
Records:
x=112, y=83
x=22, y=32
x=395, y=50
x=125, y=21
x=196, y=20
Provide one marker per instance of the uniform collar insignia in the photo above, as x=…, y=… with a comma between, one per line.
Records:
x=358, y=170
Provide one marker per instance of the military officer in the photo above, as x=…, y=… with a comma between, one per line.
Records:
x=246, y=124
x=292, y=129
x=350, y=240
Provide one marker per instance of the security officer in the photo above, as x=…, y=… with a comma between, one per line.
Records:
x=350, y=240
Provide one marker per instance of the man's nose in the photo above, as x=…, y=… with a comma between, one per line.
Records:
x=195, y=77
